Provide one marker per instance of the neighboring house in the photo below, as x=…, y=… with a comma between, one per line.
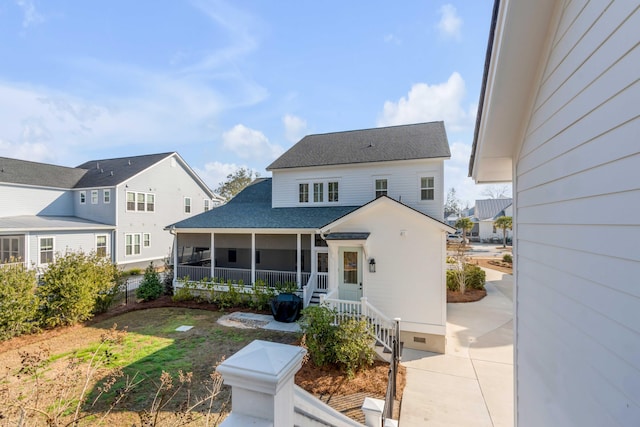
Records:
x=559, y=116
x=347, y=215
x=484, y=214
x=115, y=207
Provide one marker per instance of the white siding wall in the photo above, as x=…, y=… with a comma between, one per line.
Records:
x=170, y=183
x=409, y=280
x=99, y=212
x=357, y=184
x=21, y=200
x=577, y=197
x=64, y=241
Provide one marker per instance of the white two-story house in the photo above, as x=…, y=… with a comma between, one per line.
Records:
x=350, y=215
x=115, y=207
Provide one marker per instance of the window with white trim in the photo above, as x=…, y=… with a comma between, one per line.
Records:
x=303, y=193
x=94, y=197
x=46, y=250
x=151, y=202
x=83, y=197
x=381, y=187
x=318, y=192
x=140, y=202
x=10, y=249
x=131, y=201
x=187, y=205
x=101, y=246
x=132, y=244
x=146, y=240
x=206, y=205
x=106, y=196
x=427, y=188
x=333, y=191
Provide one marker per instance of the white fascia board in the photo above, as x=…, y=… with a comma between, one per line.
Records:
x=246, y=230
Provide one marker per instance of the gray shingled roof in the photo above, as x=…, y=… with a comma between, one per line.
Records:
x=41, y=174
x=111, y=172
x=417, y=141
x=50, y=223
x=251, y=208
x=489, y=208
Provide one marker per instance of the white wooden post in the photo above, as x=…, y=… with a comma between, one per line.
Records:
x=261, y=376
x=299, y=260
x=372, y=409
x=175, y=257
x=213, y=256
x=253, y=258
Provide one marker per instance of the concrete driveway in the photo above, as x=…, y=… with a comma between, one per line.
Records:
x=472, y=383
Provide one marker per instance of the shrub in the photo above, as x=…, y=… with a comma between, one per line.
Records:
x=151, y=287
x=262, y=294
x=317, y=326
x=168, y=277
x=507, y=258
x=475, y=278
x=17, y=301
x=71, y=286
x=353, y=346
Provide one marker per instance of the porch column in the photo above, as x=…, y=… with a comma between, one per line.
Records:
x=299, y=261
x=175, y=257
x=212, y=250
x=253, y=258
x=314, y=256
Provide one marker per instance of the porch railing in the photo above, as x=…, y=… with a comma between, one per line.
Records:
x=309, y=289
x=223, y=274
x=381, y=327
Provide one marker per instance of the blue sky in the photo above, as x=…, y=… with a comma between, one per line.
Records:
x=233, y=84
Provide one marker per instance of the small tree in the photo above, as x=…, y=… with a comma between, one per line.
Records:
x=236, y=182
x=465, y=224
x=505, y=223
x=151, y=287
x=317, y=326
x=17, y=300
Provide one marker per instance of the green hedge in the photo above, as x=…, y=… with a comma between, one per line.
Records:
x=17, y=301
x=475, y=278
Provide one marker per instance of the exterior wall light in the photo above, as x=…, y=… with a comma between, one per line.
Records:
x=372, y=265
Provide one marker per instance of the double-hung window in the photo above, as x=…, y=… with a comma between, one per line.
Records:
x=381, y=187
x=106, y=196
x=303, y=193
x=206, y=205
x=151, y=202
x=132, y=244
x=83, y=197
x=427, y=188
x=131, y=201
x=94, y=197
x=46, y=250
x=140, y=206
x=101, y=246
x=140, y=202
x=187, y=205
x=146, y=240
x=318, y=192
x=333, y=191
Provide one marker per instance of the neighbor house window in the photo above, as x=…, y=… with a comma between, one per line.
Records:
x=140, y=205
x=427, y=188
x=10, y=249
x=187, y=205
x=318, y=192
x=131, y=201
x=146, y=240
x=132, y=244
x=233, y=255
x=101, y=246
x=381, y=187
x=206, y=205
x=106, y=196
x=151, y=202
x=94, y=197
x=303, y=191
x=46, y=250
x=83, y=197
x=333, y=191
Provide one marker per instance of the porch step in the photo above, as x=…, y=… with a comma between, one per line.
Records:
x=315, y=298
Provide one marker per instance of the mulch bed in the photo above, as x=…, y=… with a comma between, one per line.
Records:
x=471, y=295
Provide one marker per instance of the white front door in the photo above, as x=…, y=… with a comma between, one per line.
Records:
x=350, y=274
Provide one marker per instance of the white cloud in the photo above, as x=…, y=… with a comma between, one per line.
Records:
x=455, y=174
x=215, y=173
x=294, y=127
x=31, y=15
x=248, y=143
x=450, y=24
x=426, y=103
x=392, y=38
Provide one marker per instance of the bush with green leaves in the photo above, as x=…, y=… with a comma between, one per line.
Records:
x=475, y=278
x=71, y=286
x=317, y=326
x=262, y=295
x=151, y=287
x=17, y=301
x=353, y=346
x=507, y=258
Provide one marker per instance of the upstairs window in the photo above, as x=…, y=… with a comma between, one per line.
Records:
x=146, y=240
x=106, y=196
x=140, y=206
x=206, y=205
x=187, y=205
x=131, y=201
x=303, y=191
x=333, y=191
x=427, y=188
x=318, y=192
x=381, y=187
x=83, y=197
x=101, y=246
x=151, y=202
x=94, y=197
x=140, y=202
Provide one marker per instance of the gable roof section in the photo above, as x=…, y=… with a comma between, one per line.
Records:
x=251, y=208
x=384, y=199
x=489, y=208
x=406, y=142
x=111, y=172
x=24, y=172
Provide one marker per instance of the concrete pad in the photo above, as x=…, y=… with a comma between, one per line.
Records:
x=183, y=328
x=442, y=363
x=495, y=346
x=283, y=327
x=435, y=399
x=496, y=383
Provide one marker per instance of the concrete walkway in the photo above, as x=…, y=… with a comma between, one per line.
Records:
x=472, y=383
